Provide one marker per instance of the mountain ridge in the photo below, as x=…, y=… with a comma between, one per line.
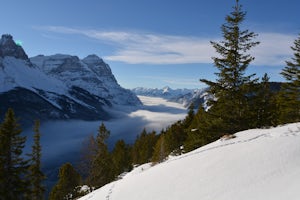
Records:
x=183, y=96
x=73, y=88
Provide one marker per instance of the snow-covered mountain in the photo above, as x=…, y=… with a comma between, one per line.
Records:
x=58, y=86
x=183, y=96
x=91, y=74
x=166, y=92
x=258, y=164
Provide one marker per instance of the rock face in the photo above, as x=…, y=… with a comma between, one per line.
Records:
x=9, y=48
x=90, y=73
x=57, y=87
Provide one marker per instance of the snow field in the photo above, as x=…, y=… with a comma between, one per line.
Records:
x=257, y=164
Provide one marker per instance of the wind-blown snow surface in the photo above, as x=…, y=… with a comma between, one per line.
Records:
x=257, y=164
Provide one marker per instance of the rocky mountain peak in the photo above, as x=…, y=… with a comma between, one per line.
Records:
x=92, y=59
x=8, y=47
x=97, y=65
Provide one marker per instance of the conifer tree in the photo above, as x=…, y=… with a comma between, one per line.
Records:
x=143, y=147
x=160, y=152
x=88, y=154
x=35, y=173
x=198, y=133
x=190, y=116
x=121, y=157
x=13, y=167
x=102, y=171
x=232, y=88
x=290, y=94
x=65, y=188
x=175, y=137
x=265, y=104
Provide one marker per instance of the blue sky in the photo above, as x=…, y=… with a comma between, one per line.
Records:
x=151, y=43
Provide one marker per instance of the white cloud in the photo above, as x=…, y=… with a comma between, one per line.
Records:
x=274, y=49
x=149, y=48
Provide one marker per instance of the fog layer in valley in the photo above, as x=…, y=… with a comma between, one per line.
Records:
x=62, y=140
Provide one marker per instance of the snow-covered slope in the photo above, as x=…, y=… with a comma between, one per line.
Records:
x=258, y=164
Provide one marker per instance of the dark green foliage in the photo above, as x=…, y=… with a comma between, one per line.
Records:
x=232, y=89
x=289, y=98
x=13, y=167
x=190, y=116
x=143, y=147
x=36, y=175
x=65, y=188
x=266, y=106
x=101, y=171
x=201, y=131
x=121, y=157
x=175, y=137
x=160, y=152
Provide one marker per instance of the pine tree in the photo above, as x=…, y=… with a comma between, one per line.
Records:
x=190, y=116
x=102, y=171
x=198, y=133
x=121, y=157
x=175, y=137
x=65, y=188
x=143, y=147
x=160, y=152
x=265, y=104
x=290, y=94
x=232, y=89
x=88, y=154
x=35, y=173
x=13, y=167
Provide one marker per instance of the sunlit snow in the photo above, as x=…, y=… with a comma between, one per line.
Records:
x=258, y=164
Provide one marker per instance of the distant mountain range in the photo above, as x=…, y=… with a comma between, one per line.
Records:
x=186, y=96
x=182, y=96
x=58, y=86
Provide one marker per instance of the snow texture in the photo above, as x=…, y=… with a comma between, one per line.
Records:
x=258, y=164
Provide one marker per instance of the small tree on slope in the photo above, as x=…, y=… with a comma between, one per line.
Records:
x=65, y=188
x=101, y=171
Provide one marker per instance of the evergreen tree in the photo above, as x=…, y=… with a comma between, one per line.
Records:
x=175, y=137
x=265, y=104
x=35, y=173
x=190, y=116
x=13, y=167
x=65, y=188
x=160, y=152
x=143, y=147
x=290, y=95
x=198, y=133
x=102, y=171
x=121, y=157
x=88, y=154
x=232, y=89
